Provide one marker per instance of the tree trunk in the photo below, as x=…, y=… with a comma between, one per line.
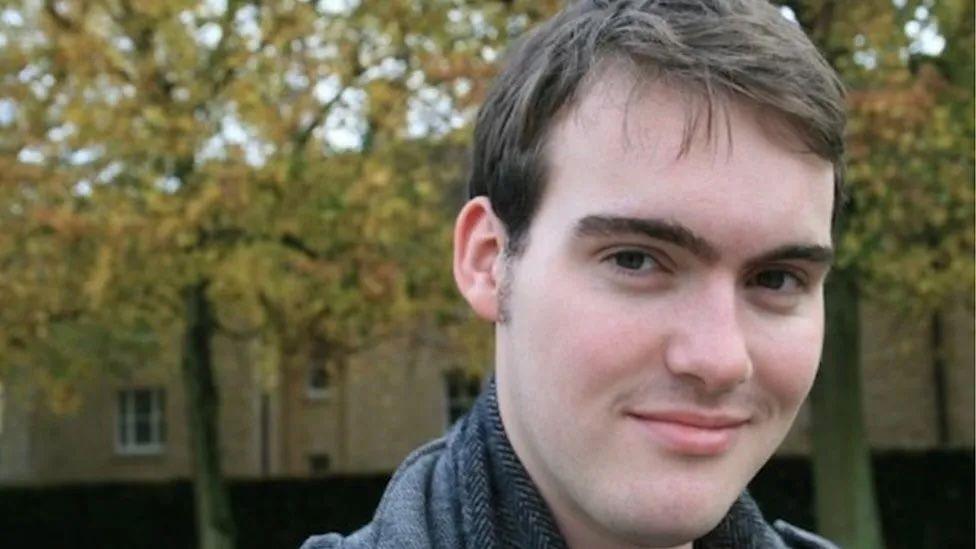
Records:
x=940, y=379
x=215, y=522
x=344, y=427
x=843, y=485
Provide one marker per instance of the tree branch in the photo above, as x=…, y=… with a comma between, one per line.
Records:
x=236, y=333
x=302, y=135
x=219, y=54
x=72, y=27
x=229, y=236
x=60, y=20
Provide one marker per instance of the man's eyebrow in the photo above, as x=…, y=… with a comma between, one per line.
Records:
x=668, y=231
x=813, y=253
x=682, y=236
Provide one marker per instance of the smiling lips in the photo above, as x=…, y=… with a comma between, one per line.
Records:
x=691, y=433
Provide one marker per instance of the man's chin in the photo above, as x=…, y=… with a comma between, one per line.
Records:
x=672, y=536
x=672, y=526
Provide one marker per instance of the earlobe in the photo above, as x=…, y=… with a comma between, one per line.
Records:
x=479, y=239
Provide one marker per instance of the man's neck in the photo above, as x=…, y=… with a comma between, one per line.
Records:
x=579, y=537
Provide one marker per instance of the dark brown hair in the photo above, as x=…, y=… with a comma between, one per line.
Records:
x=719, y=50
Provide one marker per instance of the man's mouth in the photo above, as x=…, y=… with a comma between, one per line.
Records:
x=691, y=433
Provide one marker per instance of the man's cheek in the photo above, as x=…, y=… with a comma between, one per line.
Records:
x=788, y=364
x=603, y=359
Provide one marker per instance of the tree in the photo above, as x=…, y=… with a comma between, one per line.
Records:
x=908, y=235
x=276, y=171
x=281, y=172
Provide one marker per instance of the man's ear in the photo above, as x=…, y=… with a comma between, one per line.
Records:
x=479, y=239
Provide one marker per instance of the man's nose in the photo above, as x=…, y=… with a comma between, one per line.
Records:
x=708, y=343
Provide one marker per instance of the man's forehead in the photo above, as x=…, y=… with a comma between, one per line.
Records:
x=623, y=154
x=664, y=117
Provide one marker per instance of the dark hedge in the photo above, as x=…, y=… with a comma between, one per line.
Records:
x=926, y=500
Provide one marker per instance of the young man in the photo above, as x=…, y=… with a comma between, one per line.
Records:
x=650, y=228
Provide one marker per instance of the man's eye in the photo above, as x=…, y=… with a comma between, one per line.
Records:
x=633, y=260
x=779, y=280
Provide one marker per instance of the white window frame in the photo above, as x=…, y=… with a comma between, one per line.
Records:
x=125, y=420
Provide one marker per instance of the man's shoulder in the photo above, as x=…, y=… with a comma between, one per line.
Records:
x=745, y=526
x=798, y=538
x=401, y=505
x=327, y=541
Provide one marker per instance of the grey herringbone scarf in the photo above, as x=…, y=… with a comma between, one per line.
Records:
x=500, y=506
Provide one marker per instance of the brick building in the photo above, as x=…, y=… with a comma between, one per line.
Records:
x=306, y=419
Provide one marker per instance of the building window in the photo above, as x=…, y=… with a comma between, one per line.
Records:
x=319, y=380
x=141, y=421
x=319, y=376
x=319, y=464
x=462, y=389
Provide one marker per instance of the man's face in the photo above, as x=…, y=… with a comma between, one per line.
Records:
x=666, y=315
